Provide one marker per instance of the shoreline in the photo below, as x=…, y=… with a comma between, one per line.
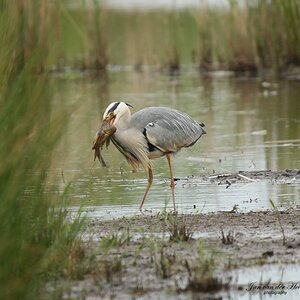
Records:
x=215, y=255
x=169, y=256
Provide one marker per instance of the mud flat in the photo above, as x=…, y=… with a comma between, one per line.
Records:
x=288, y=176
x=192, y=256
x=222, y=255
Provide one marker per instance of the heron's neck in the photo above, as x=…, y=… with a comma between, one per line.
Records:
x=123, y=122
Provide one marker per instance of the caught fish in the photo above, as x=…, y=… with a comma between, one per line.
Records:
x=102, y=136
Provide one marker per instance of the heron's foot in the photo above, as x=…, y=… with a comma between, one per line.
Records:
x=143, y=211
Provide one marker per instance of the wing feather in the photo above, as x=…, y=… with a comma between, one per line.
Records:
x=167, y=129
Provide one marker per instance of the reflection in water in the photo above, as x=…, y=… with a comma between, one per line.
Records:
x=276, y=282
x=247, y=130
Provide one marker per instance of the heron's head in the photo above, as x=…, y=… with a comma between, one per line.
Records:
x=117, y=112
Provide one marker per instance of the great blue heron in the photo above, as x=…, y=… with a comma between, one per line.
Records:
x=151, y=133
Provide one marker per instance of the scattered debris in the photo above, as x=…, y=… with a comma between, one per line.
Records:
x=288, y=176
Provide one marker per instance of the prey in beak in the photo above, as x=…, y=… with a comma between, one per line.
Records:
x=110, y=119
x=103, y=135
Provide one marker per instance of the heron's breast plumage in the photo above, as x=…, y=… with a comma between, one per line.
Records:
x=132, y=144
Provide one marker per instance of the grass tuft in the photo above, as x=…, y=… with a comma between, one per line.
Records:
x=279, y=220
x=227, y=239
x=179, y=228
x=115, y=239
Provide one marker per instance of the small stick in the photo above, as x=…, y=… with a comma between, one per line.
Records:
x=63, y=176
x=219, y=175
x=247, y=178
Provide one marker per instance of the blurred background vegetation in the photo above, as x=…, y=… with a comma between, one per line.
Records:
x=39, y=37
x=242, y=36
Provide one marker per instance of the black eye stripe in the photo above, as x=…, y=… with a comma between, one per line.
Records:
x=114, y=107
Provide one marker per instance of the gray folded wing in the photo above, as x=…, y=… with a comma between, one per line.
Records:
x=167, y=129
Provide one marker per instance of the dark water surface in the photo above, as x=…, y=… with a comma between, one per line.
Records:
x=251, y=125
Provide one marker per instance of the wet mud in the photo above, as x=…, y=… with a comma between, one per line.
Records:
x=194, y=256
x=149, y=263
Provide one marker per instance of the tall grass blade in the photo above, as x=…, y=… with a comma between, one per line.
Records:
x=33, y=227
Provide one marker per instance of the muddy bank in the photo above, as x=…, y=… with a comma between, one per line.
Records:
x=194, y=256
x=227, y=254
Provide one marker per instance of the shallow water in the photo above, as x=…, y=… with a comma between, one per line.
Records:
x=250, y=125
x=267, y=282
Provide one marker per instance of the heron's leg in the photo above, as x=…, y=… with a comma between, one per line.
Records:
x=150, y=180
x=169, y=156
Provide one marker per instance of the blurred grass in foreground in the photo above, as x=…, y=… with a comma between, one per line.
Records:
x=35, y=233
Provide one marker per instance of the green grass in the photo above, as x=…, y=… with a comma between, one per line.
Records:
x=114, y=240
x=35, y=232
x=178, y=228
